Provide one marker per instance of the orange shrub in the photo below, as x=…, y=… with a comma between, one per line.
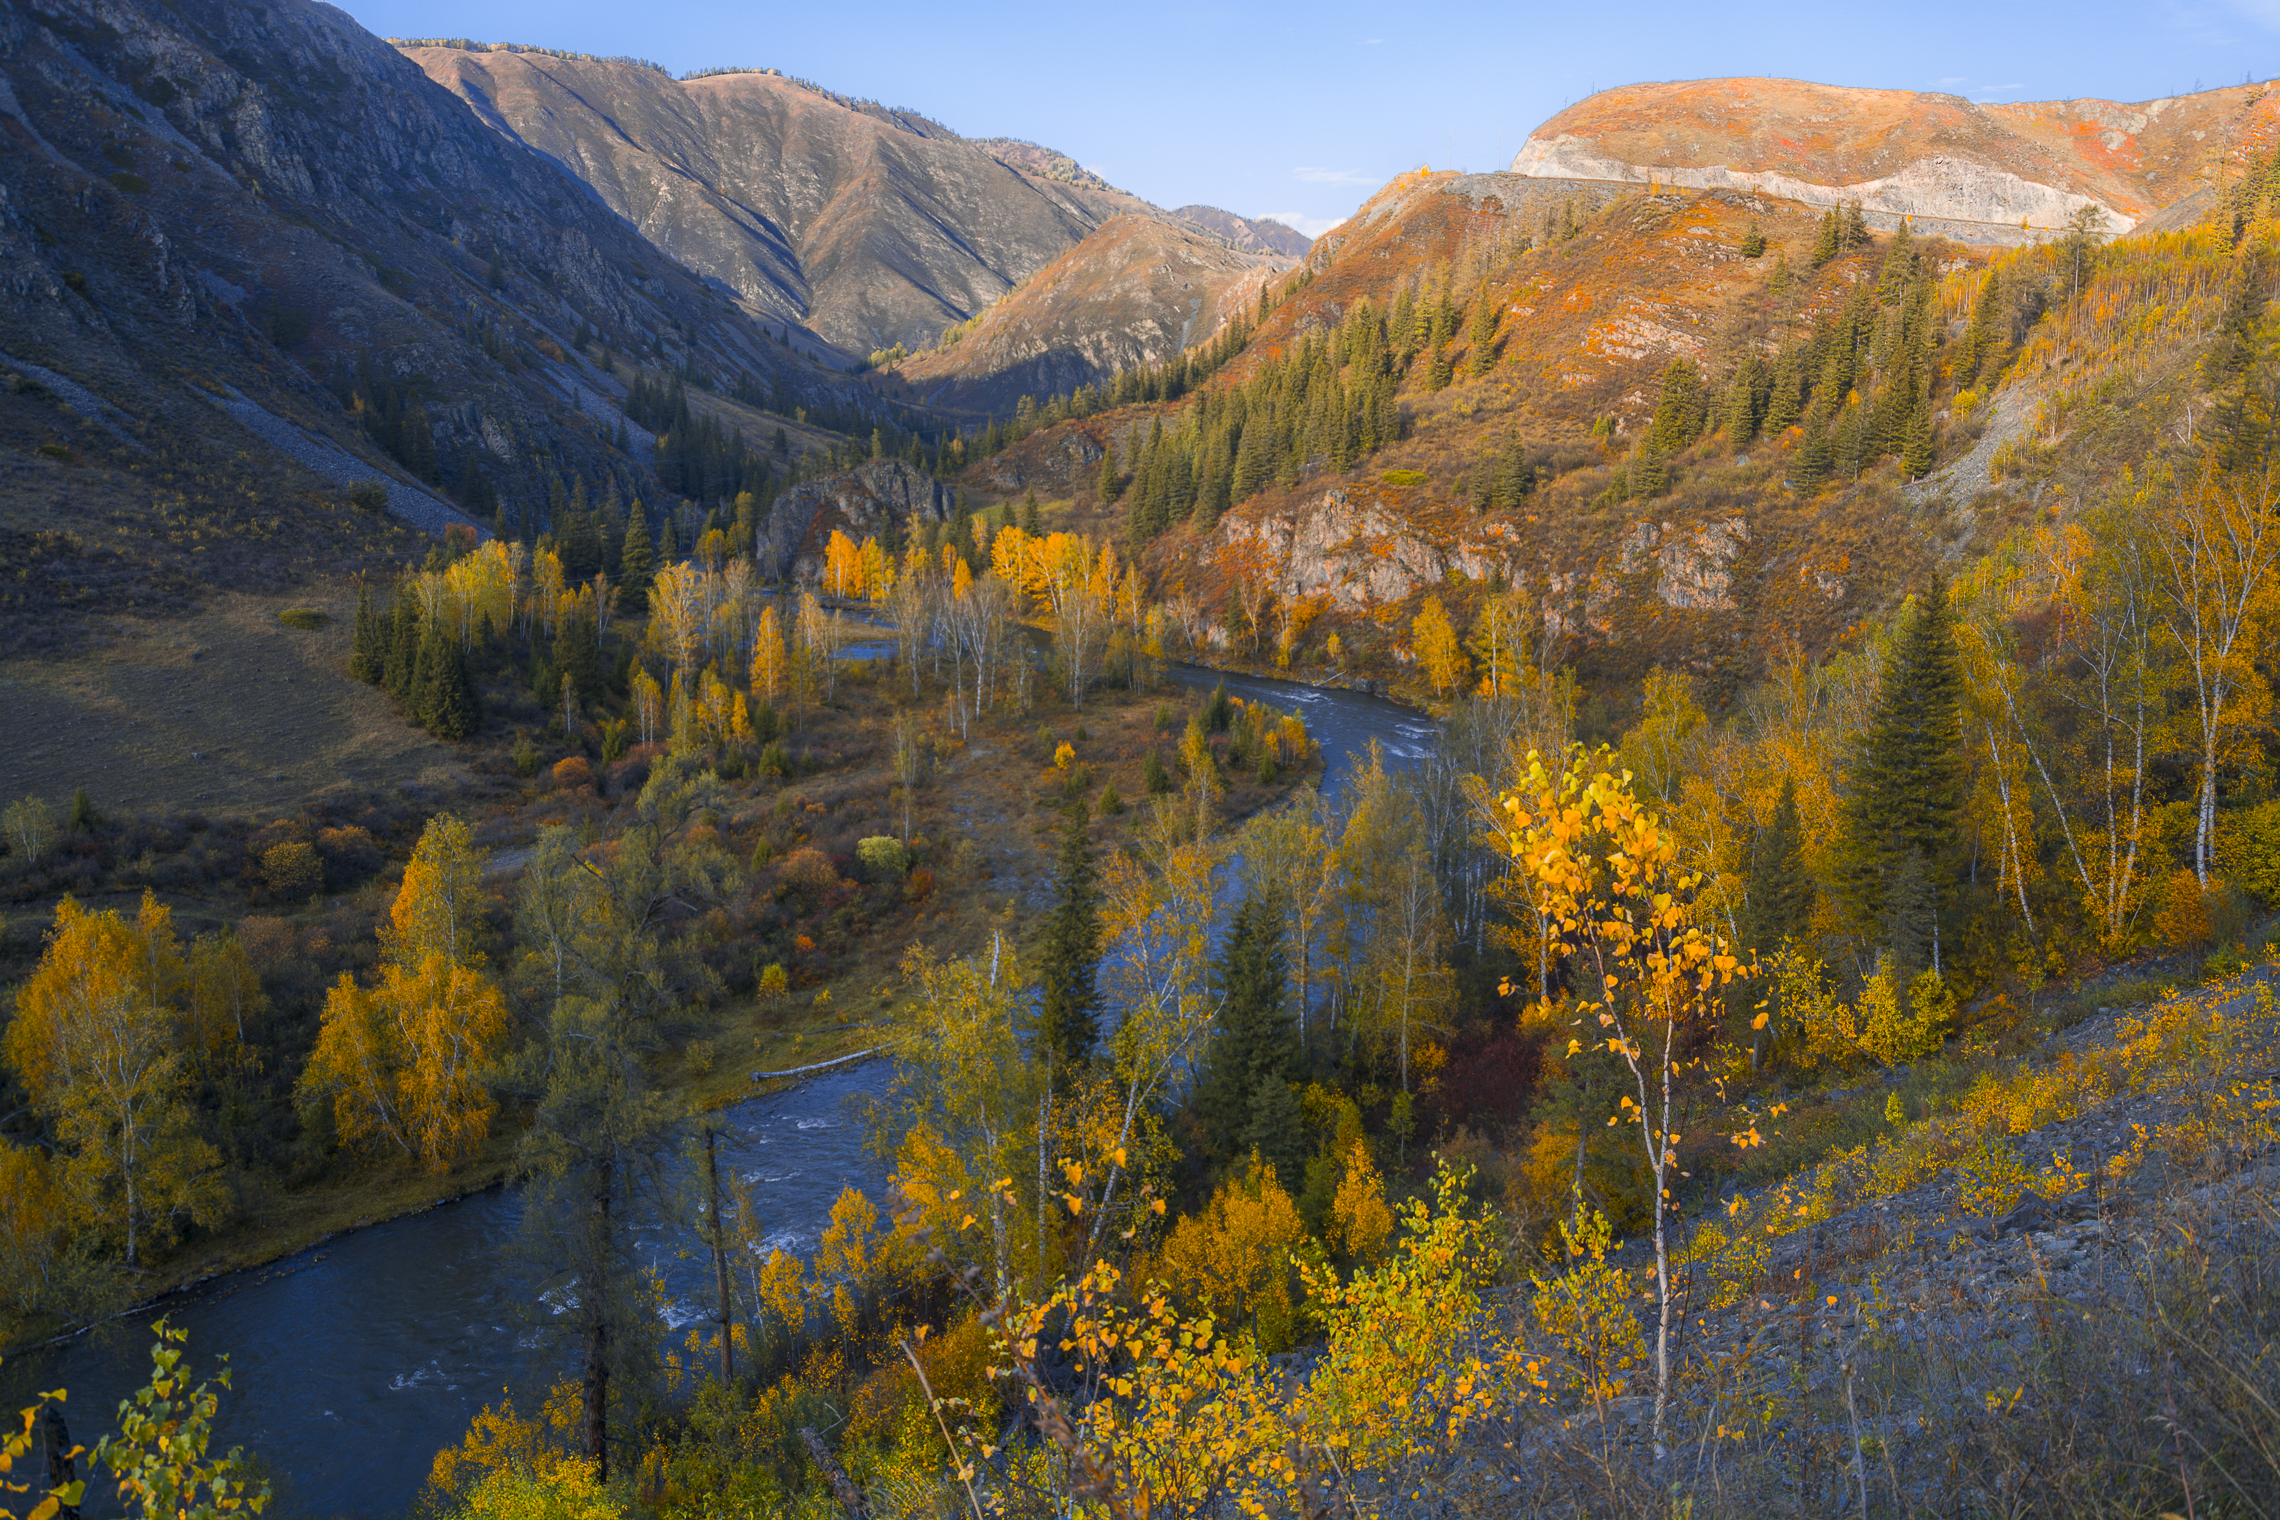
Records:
x=807, y=871
x=574, y=773
x=2183, y=922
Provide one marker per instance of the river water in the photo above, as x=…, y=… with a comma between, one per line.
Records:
x=354, y=1362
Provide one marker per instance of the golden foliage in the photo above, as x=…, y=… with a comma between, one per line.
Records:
x=1234, y=1257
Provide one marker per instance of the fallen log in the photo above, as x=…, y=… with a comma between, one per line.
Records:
x=798, y=1071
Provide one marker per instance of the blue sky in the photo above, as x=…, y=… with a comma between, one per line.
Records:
x=1301, y=110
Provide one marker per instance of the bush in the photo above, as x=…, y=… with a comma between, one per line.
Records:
x=307, y=619
x=349, y=853
x=919, y=884
x=574, y=774
x=292, y=871
x=883, y=856
x=773, y=761
x=808, y=872
x=527, y=758
x=84, y=818
x=1110, y=803
x=369, y=496
x=1154, y=777
x=30, y=827
x=773, y=981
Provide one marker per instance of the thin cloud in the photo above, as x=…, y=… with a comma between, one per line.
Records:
x=1312, y=176
x=1299, y=221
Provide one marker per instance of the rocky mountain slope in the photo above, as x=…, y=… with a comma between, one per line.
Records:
x=1980, y=173
x=1135, y=292
x=868, y=227
x=257, y=238
x=1256, y=235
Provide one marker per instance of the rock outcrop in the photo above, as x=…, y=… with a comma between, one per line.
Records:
x=1135, y=292
x=884, y=499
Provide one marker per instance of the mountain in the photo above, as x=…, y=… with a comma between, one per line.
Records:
x=1135, y=292
x=1995, y=174
x=869, y=227
x=1259, y=236
x=251, y=252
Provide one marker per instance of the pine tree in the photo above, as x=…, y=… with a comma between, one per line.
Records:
x=1515, y=477
x=1787, y=400
x=1742, y=402
x=403, y=647
x=1111, y=484
x=637, y=566
x=458, y=711
x=1814, y=455
x=1904, y=789
x=1855, y=226
x=1825, y=245
x=426, y=700
x=1029, y=520
x=1753, y=242
x=1067, y=1022
x=1257, y=1042
x=1779, y=903
x=1439, y=373
x=1916, y=442
x=1277, y=1128
x=368, y=655
x=1482, y=334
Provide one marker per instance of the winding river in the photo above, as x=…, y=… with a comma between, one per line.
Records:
x=354, y=1362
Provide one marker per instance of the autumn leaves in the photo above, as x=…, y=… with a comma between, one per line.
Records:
x=398, y=1063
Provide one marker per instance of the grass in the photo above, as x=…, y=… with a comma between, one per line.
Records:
x=234, y=709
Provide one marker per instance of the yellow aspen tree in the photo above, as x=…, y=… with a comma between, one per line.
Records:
x=1010, y=557
x=546, y=587
x=740, y=721
x=224, y=992
x=356, y=1068
x=437, y=907
x=877, y=569
x=94, y=1042
x=1647, y=973
x=677, y=611
x=1234, y=1256
x=2218, y=544
x=842, y=566
x=768, y=666
x=454, y=1023
x=648, y=704
x=817, y=671
x=1203, y=786
x=1434, y=639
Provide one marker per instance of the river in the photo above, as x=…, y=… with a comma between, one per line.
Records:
x=354, y=1362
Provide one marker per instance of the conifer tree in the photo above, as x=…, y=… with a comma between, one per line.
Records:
x=637, y=566
x=1439, y=373
x=1029, y=520
x=1904, y=789
x=1067, y=1023
x=1814, y=455
x=458, y=711
x=1111, y=484
x=1515, y=477
x=1780, y=896
x=1825, y=245
x=403, y=647
x=1753, y=242
x=1257, y=1042
x=1482, y=332
x=1855, y=226
x=426, y=701
x=1786, y=402
x=368, y=655
x=1277, y=1127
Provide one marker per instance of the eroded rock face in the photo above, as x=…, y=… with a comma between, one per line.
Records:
x=1978, y=173
x=884, y=499
x=1356, y=551
x=1692, y=563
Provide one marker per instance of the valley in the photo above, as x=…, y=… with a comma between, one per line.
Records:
x=721, y=802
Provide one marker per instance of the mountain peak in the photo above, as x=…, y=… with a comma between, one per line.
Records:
x=1980, y=173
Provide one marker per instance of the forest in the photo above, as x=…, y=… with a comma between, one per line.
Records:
x=1378, y=1141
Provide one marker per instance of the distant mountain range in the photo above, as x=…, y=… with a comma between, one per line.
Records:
x=869, y=227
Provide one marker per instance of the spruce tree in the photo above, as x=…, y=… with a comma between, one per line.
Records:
x=1779, y=903
x=403, y=647
x=1753, y=242
x=427, y=700
x=458, y=711
x=1482, y=333
x=1029, y=519
x=1825, y=245
x=637, y=566
x=1067, y=1024
x=1277, y=1129
x=1111, y=484
x=368, y=655
x=1787, y=400
x=1257, y=1041
x=1855, y=226
x=1904, y=788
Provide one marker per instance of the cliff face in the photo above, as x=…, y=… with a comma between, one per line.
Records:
x=209, y=210
x=1979, y=173
x=884, y=499
x=1136, y=292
